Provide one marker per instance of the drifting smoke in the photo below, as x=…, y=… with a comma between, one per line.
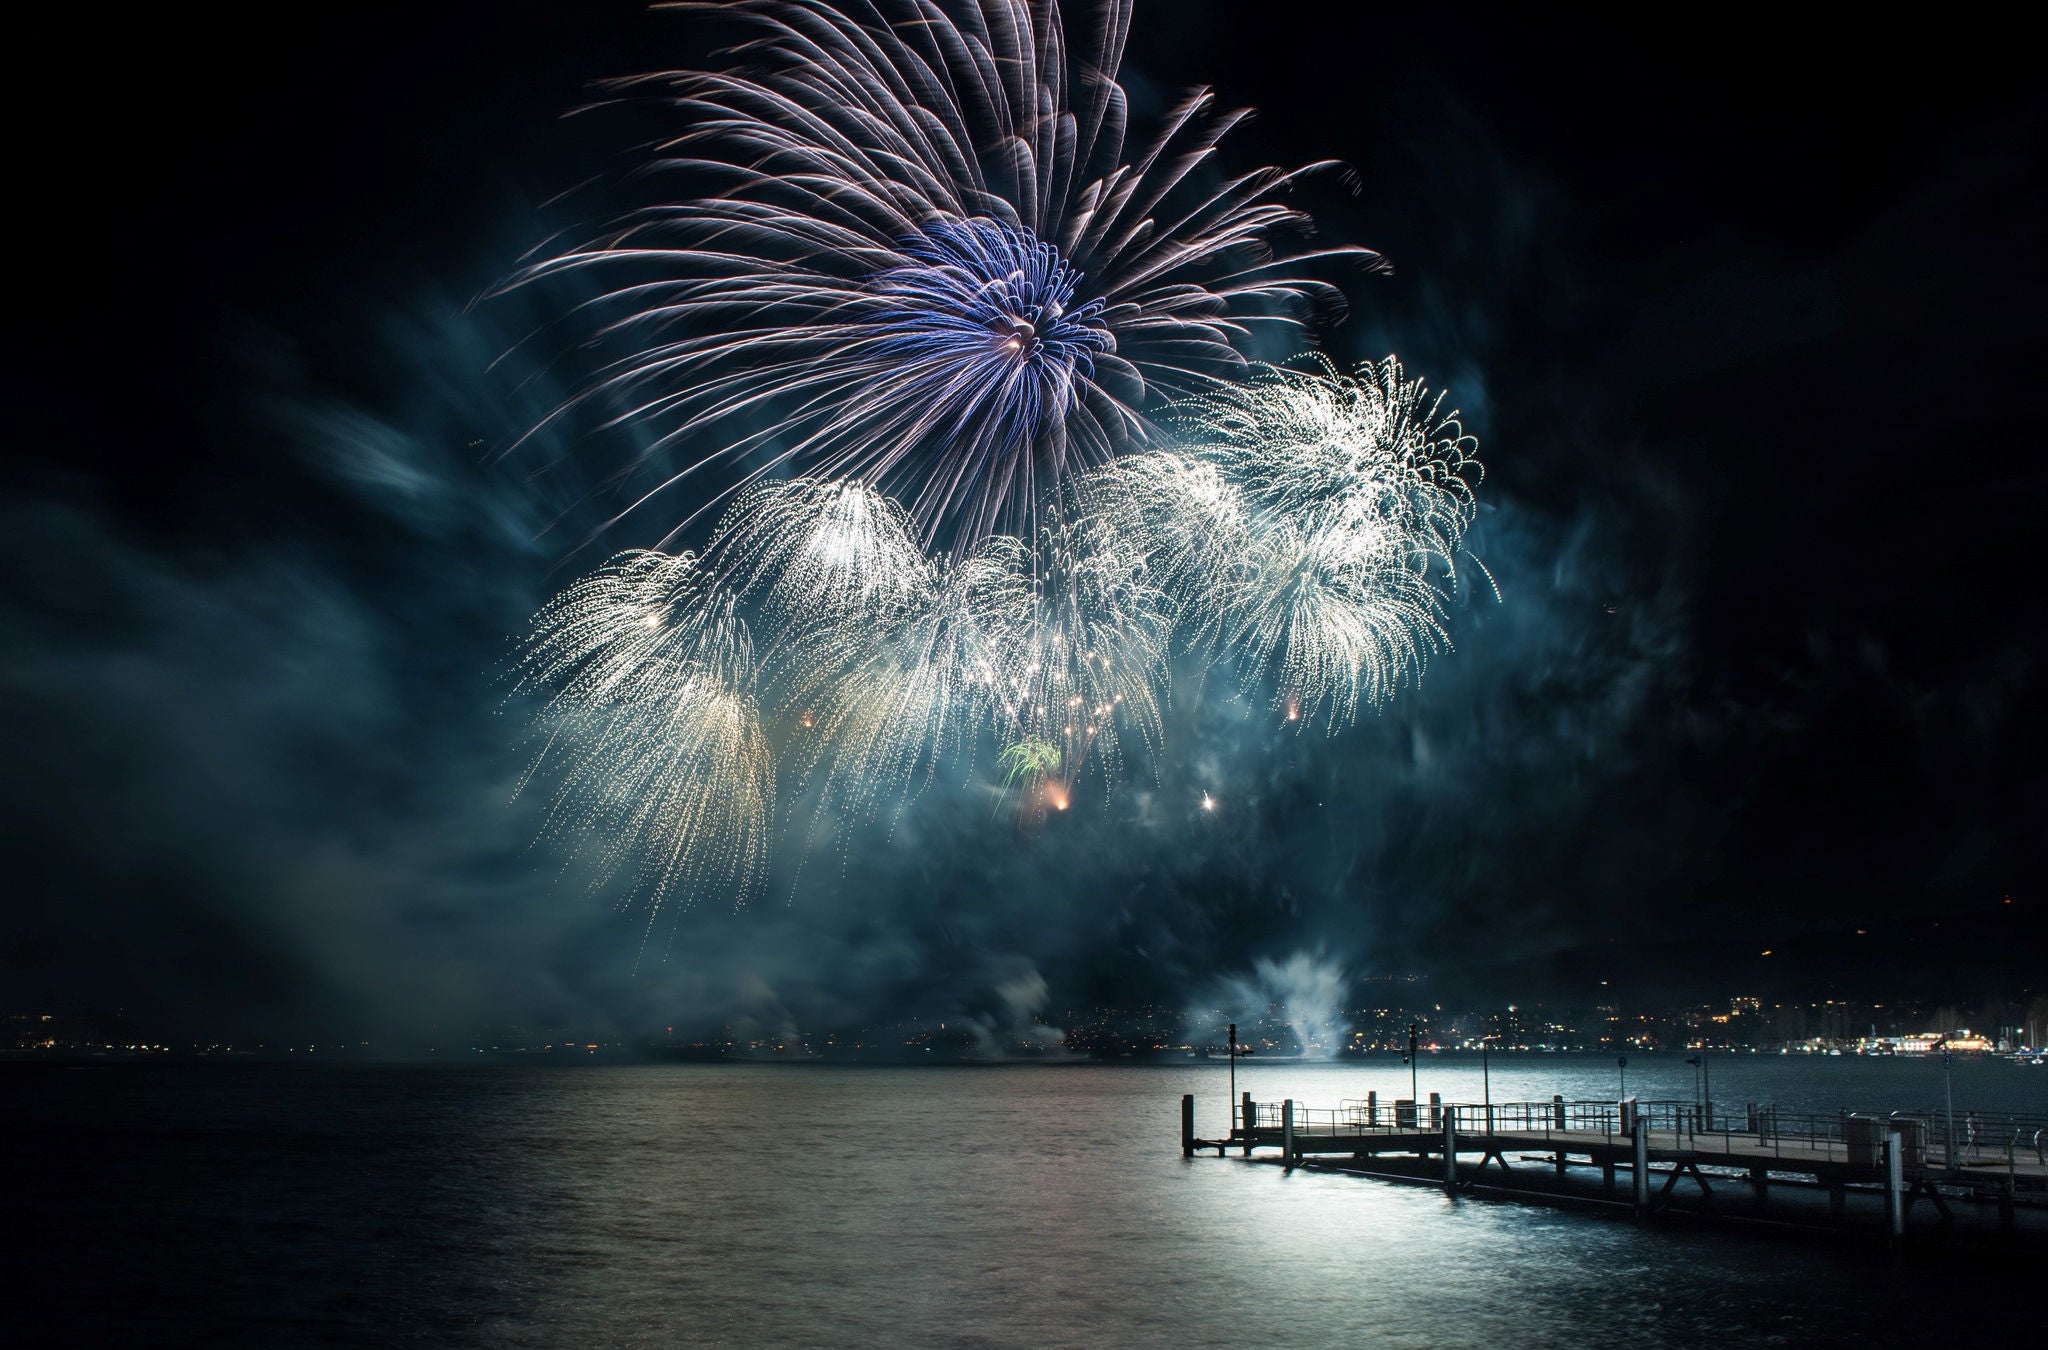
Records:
x=1304, y=991
x=1014, y=1024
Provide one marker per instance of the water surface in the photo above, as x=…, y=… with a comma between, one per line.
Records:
x=1006, y=1206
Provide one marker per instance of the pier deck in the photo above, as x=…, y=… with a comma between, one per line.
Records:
x=1662, y=1147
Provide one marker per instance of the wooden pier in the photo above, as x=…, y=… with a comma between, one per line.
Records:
x=1670, y=1153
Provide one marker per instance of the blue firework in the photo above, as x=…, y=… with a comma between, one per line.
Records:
x=909, y=246
x=983, y=321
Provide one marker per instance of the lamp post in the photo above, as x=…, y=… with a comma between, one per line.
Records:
x=1621, y=1062
x=1702, y=1088
x=1948, y=1099
x=1706, y=1084
x=1486, y=1080
x=1233, y=1074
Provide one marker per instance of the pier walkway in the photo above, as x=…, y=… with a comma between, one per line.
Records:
x=1666, y=1150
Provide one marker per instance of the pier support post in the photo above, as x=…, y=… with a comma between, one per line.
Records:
x=1760, y=1178
x=1838, y=1198
x=1248, y=1117
x=1436, y=1110
x=1895, y=1184
x=1187, y=1124
x=1640, y=1137
x=1557, y=1123
x=1287, y=1133
x=1450, y=1151
x=1372, y=1108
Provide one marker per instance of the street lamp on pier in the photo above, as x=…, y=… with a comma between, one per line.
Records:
x=1486, y=1078
x=1233, y=1074
x=1702, y=1090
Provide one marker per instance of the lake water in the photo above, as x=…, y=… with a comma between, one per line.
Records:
x=737, y=1205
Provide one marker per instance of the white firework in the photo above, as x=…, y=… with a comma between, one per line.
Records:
x=650, y=721
x=1309, y=528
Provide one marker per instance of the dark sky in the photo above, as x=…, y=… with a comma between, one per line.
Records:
x=1747, y=317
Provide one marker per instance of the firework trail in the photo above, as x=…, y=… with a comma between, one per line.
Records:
x=649, y=715
x=911, y=249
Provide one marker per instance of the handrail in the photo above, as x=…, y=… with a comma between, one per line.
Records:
x=1763, y=1132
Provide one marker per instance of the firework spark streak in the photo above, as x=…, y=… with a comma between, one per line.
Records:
x=911, y=249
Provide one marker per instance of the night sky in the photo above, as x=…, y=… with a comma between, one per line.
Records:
x=1747, y=319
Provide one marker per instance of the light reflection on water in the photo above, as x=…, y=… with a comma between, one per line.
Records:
x=757, y=1205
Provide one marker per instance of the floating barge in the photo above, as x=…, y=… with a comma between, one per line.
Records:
x=1872, y=1169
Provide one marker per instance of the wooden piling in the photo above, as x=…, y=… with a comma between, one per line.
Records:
x=1187, y=1125
x=1247, y=1118
x=1451, y=1152
x=1895, y=1183
x=1287, y=1133
x=1639, y=1135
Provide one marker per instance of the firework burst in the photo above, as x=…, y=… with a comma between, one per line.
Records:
x=808, y=552
x=649, y=721
x=910, y=248
x=1309, y=529
x=1083, y=663
x=906, y=308
x=891, y=697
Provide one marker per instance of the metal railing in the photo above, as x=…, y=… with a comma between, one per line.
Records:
x=1761, y=1135
x=2007, y=1150
x=1981, y=1138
